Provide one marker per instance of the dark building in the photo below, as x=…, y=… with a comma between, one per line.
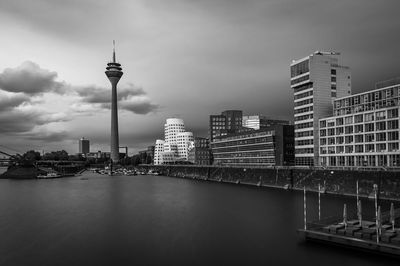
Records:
x=228, y=122
x=200, y=152
x=84, y=146
x=269, y=146
x=150, y=153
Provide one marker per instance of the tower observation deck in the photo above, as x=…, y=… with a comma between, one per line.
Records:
x=114, y=73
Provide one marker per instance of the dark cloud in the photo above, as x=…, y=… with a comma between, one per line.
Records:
x=17, y=121
x=141, y=107
x=47, y=136
x=94, y=94
x=9, y=101
x=31, y=79
x=130, y=98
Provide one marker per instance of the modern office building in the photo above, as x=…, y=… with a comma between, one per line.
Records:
x=228, y=122
x=200, y=152
x=258, y=121
x=266, y=147
x=84, y=146
x=316, y=80
x=176, y=144
x=364, y=130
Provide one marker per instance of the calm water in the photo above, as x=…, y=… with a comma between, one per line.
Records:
x=147, y=220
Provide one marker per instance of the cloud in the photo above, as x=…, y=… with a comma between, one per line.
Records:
x=31, y=79
x=130, y=98
x=9, y=101
x=21, y=121
x=47, y=136
x=141, y=107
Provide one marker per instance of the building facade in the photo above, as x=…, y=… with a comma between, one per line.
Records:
x=200, y=153
x=84, y=146
x=228, y=122
x=266, y=147
x=316, y=81
x=364, y=130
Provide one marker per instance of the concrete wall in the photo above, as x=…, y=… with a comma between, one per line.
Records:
x=341, y=182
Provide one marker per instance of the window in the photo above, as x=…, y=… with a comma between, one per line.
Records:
x=333, y=93
x=381, y=115
x=381, y=147
x=348, y=120
x=369, y=147
x=333, y=79
x=299, y=69
x=369, y=138
x=333, y=71
x=331, y=141
x=369, y=127
x=380, y=136
x=358, y=128
x=369, y=117
x=339, y=121
x=339, y=140
x=359, y=138
x=348, y=139
x=358, y=118
x=339, y=149
x=394, y=124
x=380, y=126
x=339, y=131
x=359, y=148
x=394, y=135
x=393, y=146
x=331, y=131
x=393, y=113
x=349, y=130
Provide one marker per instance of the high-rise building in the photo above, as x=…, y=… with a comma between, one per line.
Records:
x=316, y=81
x=84, y=146
x=114, y=73
x=258, y=121
x=364, y=129
x=228, y=122
x=176, y=144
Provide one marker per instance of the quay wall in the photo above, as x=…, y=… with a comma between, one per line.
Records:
x=342, y=182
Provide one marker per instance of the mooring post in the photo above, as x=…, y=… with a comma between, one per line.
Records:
x=392, y=217
x=376, y=212
x=319, y=201
x=357, y=192
x=305, y=210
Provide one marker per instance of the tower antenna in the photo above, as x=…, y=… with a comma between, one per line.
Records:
x=114, y=61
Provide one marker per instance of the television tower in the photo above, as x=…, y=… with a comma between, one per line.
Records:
x=114, y=73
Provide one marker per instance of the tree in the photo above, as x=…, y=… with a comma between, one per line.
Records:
x=31, y=156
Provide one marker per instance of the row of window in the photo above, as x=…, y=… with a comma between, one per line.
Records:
x=303, y=125
x=304, y=134
x=368, y=97
x=298, y=80
x=303, y=117
x=379, y=147
x=303, y=95
x=303, y=110
x=383, y=136
x=304, y=102
x=303, y=87
x=366, y=107
x=304, y=142
x=369, y=127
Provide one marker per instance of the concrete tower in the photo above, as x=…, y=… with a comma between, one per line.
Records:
x=114, y=73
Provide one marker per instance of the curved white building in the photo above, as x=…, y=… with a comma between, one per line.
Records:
x=176, y=144
x=184, y=139
x=172, y=127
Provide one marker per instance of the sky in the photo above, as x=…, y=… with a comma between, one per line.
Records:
x=180, y=58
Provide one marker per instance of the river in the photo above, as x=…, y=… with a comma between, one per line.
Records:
x=153, y=220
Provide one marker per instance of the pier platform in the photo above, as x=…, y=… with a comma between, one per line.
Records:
x=354, y=235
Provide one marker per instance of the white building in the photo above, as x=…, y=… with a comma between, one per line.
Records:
x=158, y=150
x=316, y=81
x=364, y=129
x=184, y=140
x=176, y=144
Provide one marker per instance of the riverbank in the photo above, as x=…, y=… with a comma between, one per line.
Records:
x=337, y=182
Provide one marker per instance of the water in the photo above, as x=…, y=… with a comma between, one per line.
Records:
x=153, y=220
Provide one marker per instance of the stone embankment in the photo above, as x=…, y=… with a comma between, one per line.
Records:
x=342, y=182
